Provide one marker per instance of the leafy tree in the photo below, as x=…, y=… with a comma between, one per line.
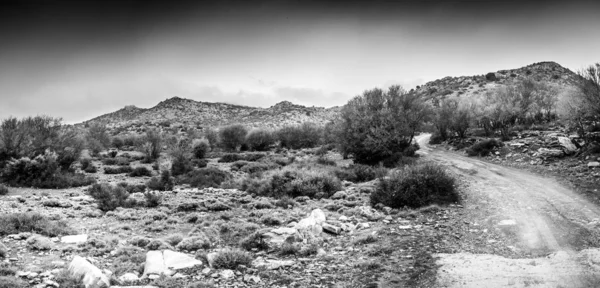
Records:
x=260, y=140
x=233, y=137
x=97, y=137
x=306, y=135
x=379, y=124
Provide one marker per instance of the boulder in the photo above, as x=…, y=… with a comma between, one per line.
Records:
x=177, y=261
x=339, y=195
x=311, y=225
x=167, y=262
x=567, y=144
x=92, y=277
x=544, y=152
x=128, y=277
x=155, y=263
x=318, y=215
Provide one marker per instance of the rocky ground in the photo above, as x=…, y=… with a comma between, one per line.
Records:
x=336, y=242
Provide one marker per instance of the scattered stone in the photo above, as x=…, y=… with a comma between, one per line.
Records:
x=227, y=274
x=339, y=195
x=129, y=277
x=545, y=152
x=92, y=277
x=252, y=278
x=567, y=144
x=167, y=262
x=271, y=264
x=593, y=164
x=331, y=228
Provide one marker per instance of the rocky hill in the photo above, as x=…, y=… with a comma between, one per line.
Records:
x=180, y=112
x=177, y=112
x=472, y=86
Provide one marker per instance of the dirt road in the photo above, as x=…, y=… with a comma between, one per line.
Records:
x=552, y=231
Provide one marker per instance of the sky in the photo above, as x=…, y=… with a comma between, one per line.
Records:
x=80, y=59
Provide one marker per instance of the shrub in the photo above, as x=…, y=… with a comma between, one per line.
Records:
x=200, y=148
x=231, y=259
x=117, y=142
x=3, y=190
x=237, y=165
x=326, y=161
x=307, y=135
x=112, y=153
x=181, y=165
x=152, y=145
x=200, y=163
x=260, y=140
x=153, y=199
x=232, y=137
x=109, y=197
x=436, y=139
x=254, y=241
x=416, y=187
x=490, y=76
x=97, y=137
x=359, y=173
x=289, y=249
x=484, y=147
x=140, y=171
x=292, y=183
x=121, y=161
x=231, y=157
x=380, y=124
x=32, y=222
x=85, y=163
x=132, y=188
x=255, y=167
x=118, y=170
x=12, y=282
x=194, y=243
x=165, y=183
x=205, y=177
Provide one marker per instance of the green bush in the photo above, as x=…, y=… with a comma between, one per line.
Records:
x=12, y=282
x=293, y=183
x=41, y=172
x=32, y=222
x=153, y=199
x=118, y=170
x=117, y=142
x=231, y=259
x=233, y=137
x=121, y=161
x=205, y=177
x=131, y=188
x=255, y=167
x=416, y=186
x=200, y=148
x=230, y=157
x=3, y=190
x=359, y=173
x=484, y=147
x=260, y=140
x=199, y=163
x=307, y=135
x=152, y=145
x=165, y=183
x=181, y=165
x=380, y=124
x=436, y=139
x=140, y=171
x=109, y=197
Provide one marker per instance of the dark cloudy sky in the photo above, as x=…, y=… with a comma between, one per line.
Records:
x=79, y=59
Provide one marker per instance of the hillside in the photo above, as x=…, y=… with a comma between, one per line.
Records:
x=185, y=112
x=472, y=86
x=180, y=112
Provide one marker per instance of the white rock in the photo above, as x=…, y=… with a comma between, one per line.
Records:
x=176, y=260
x=567, y=144
x=74, y=239
x=508, y=222
x=227, y=274
x=318, y=215
x=128, y=277
x=331, y=228
x=92, y=276
x=593, y=164
x=155, y=263
x=284, y=231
